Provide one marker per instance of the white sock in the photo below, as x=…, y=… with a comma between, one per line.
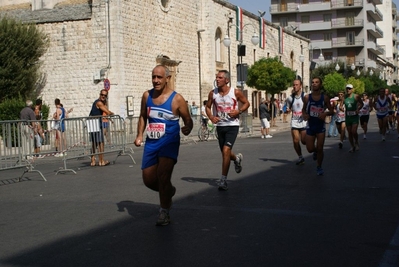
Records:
x=224, y=177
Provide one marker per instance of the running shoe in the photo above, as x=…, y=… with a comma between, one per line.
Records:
x=364, y=136
x=340, y=144
x=163, y=218
x=319, y=171
x=314, y=155
x=238, y=162
x=357, y=148
x=263, y=137
x=383, y=137
x=223, y=185
x=300, y=161
x=352, y=150
x=269, y=136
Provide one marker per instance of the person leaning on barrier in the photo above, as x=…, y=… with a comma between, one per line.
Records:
x=99, y=108
x=28, y=129
x=162, y=107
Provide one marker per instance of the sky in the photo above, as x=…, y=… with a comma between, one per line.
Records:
x=254, y=5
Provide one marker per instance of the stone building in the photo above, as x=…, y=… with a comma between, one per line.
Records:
x=121, y=41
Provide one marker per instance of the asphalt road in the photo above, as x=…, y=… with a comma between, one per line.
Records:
x=274, y=214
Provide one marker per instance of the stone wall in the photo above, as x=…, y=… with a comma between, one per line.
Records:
x=137, y=35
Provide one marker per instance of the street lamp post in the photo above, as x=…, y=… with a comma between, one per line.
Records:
x=240, y=54
x=353, y=67
x=241, y=48
x=302, y=59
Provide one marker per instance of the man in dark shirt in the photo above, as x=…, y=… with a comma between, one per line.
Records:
x=264, y=114
x=27, y=129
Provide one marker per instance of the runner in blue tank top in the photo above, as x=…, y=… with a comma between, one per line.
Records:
x=161, y=109
x=314, y=111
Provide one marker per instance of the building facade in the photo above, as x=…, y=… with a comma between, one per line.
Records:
x=121, y=42
x=348, y=31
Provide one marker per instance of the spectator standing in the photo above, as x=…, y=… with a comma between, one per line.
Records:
x=28, y=128
x=264, y=115
x=59, y=117
x=194, y=109
x=162, y=108
x=99, y=108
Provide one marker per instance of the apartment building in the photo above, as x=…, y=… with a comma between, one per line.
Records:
x=389, y=42
x=348, y=31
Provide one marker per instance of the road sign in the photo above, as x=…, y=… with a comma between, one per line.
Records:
x=107, y=84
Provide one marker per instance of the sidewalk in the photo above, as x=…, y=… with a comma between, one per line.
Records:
x=280, y=125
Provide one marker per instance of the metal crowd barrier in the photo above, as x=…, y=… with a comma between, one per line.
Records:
x=246, y=128
x=131, y=129
x=84, y=136
x=25, y=146
x=17, y=146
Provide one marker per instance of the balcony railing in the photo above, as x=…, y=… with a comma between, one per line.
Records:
x=346, y=3
x=345, y=23
x=344, y=42
x=290, y=7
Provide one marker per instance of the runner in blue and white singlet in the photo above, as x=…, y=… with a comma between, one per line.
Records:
x=382, y=106
x=161, y=109
x=314, y=111
x=163, y=129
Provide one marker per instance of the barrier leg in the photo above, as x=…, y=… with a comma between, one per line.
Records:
x=29, y=168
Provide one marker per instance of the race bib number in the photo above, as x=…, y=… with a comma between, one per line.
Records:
x=351, y=113
x=296, y=115
x=224, y=115
x=383, y=109
x=341, y=115
x=315, y=111
x=156, y=130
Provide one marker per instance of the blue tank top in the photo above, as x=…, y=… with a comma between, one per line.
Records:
x=62, y=117
x=163, y=114
x=314, y=108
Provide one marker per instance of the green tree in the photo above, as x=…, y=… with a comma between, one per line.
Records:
x=368, y=85
x=333, y=83
x=358, y=85
x=21, y=46
x=270, y=75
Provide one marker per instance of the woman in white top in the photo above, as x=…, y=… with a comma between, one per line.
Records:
x=364, y=114
x=339, y=107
